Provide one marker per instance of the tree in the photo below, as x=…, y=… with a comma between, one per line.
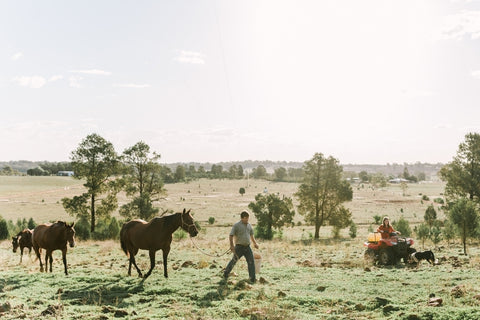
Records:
x=242, y=190
x=94, y=161
x=259, y=172
x=463, y=213
x=322, y=192
x=143, y=181
x=363, y=175
x=423, y=233
x=462, y=175
x=180, y=173
x=430, y=216
x=280, y=174
x=403, y=226
x=271, y=213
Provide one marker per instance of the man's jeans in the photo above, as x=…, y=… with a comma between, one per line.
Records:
x=239, y=252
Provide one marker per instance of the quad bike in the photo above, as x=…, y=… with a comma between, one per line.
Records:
x=388, y=251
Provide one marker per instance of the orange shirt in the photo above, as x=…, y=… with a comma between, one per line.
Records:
x=386, y=231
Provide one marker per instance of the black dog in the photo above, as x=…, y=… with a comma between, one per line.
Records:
x=416, y=257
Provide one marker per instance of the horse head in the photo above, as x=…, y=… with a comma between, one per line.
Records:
x=188, y=224
x=15, y=243
x=70, y=234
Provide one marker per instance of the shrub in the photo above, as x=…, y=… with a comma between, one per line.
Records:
x=353, y=230
x=403, y=226
x=179, y=234
x=3, y=229
x=242, y=191
x=425, y=197
x=439, y=200
x=211, y=220
x=82, y=229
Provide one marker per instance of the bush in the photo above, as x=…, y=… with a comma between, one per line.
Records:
x=439, y=200
x=403, y=226
x=82, y=229
x=4, y=234
x=179, y=234
x=425, y=197
x=353, y=230
x=107, y=228
x=211, y=220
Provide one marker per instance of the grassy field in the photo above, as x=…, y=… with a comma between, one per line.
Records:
x=299, y=278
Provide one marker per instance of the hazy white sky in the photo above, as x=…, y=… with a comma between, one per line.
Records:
x=364, y=81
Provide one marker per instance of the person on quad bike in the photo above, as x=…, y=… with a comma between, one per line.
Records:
x=385, y=228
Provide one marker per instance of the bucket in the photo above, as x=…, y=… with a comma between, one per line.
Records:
x=374, y=237
x=258, y=262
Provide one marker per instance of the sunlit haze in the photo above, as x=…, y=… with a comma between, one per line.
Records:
x=209, y=81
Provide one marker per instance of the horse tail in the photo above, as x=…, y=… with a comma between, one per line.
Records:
x=123, y=233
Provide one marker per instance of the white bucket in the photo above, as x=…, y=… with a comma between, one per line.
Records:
x=258, y=262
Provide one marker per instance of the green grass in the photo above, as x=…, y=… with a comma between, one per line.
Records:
x=314, y=281
x=300, y=278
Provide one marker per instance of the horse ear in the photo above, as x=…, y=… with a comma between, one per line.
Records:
x=188, y=212
x=184, y=210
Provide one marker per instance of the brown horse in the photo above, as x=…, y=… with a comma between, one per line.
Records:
x=153, y=236
x=23, y=239
x=53, y=237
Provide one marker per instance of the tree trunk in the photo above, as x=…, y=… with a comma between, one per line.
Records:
x=92, y=211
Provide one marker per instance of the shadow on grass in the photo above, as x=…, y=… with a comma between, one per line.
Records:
x=111, y=293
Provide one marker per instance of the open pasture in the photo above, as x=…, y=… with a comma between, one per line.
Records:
x=299, y=278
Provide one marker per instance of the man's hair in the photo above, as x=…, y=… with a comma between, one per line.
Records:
x=244, y=214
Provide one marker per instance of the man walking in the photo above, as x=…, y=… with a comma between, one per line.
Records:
x=242, y=232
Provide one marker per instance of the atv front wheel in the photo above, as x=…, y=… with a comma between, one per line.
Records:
x=369, y=256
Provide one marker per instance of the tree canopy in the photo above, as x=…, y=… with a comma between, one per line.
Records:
x=94, y=161
x=322, y=193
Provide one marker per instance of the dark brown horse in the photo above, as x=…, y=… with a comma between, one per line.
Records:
x=153, y=236
x=23, y=239
x=53, y=237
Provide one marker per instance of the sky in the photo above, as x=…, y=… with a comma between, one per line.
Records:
x=367, y=82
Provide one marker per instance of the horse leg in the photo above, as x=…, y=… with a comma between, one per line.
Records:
x=37, y=253
x=46, y=260
x=64, y=258
x=21, y=254
x=165, y=255
x=132, y=261
x=151, y=253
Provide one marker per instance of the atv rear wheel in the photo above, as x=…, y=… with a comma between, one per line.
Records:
x=385, y=256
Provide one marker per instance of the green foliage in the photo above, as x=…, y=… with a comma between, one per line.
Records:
x=425, y=198
x=179, y=234
x=82, y=228
x=423, y=233
x=107, y=228
x=461, y=175
x=449, y=231
x=353, y=230
x=280, y=174
x=436, y=235
x=378, y=219
x=94, y=161
x=403, y=226
x=322, y=192
x=430, y=216
x=31, y=224
x=242, y=191
x=439, y=200
x=259, y=172
x=4, y=234
x=463, y=213
x=143, y=181
x=272, y=212
x=211, y=220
